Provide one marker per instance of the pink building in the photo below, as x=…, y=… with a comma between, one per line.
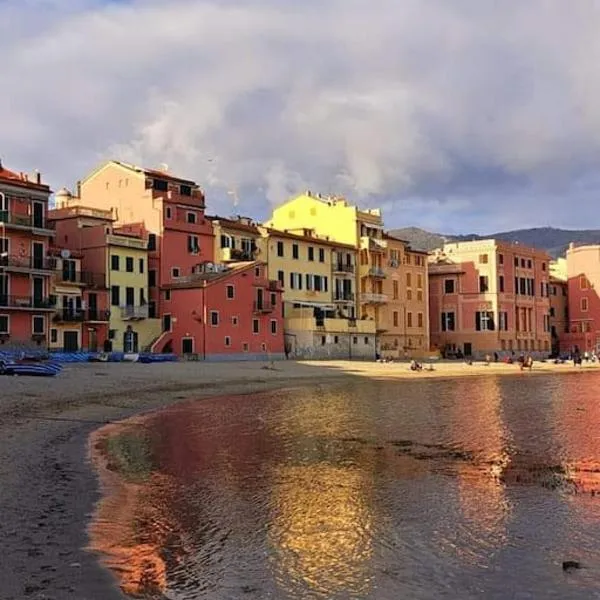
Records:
x=489, y=296
x=224, y=313
x=583, y=281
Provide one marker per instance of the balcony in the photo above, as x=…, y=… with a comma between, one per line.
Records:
x=14, y=221
x=27, y=263
x=342, y=268
x=367, y=298
x=69, y=315
x=134, y=313
x=233, y=254
x=263, y=308
x=376, y=273
x=373, y=244
x=96, y=315
x=126, y=242
x=275, y=286
x=25, y=303
x=80, y=278
x=344, y=297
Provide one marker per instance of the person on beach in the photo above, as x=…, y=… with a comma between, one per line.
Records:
x=415, y=366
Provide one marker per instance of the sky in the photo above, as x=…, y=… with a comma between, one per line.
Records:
x=457, y=116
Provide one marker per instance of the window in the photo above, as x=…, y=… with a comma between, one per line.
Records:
x=311, y=253
x=483, y=259
x=152, y=242
x=295, y=251
x=419, y=319
x=185, y=190
x=321, y=255
x=168, y=212
x=4, y=324
x=419, y=281
x=53, y=336
x=553, y=312
x=281, y=277
x=114, y=262
x=193, y=244
x=151, y=278
x=38, y=325
x=141, y=265
x=336, y=339
x=129, y=296
x=355, y=340
x=280, y=249
x=584, y=304
x=501, y=282
x=449, y=286
x=395, y=290
x=115, y=295
x=175, y=272
x=395, y=318
x=255, y=326
x=503, y=321
x=484, y=321
x=274, y=327
x=529, y=264
x=546, y=323
x=448, y=321
x=160, y=185
x=234, y=321
x=230, y=292
x=214, y=318
x=500, y=259
x=409, y=294
x=167, y=295
x=583, y=284
x=166, y=322
x=227, y=341
x=484, y=285
x=543, y=266
x=366, y=341
x=420, y=295
x=191, y=217
x=129, y=264
x=257, y=272
x=516, y=261
x=408, y=280
x=409, y=319
x=143, y=297
x=273, y=299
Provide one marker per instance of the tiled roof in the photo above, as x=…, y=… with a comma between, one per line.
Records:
x=13, y=178
x=233, y=224
x=307, y=238
x=197, y=280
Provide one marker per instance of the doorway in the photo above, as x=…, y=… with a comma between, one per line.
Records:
x=71, y=341
x=468, y=349
x=130, y=341
x=187, y=346
x=93, y=340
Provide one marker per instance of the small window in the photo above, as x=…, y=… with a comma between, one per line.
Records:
x=115, y=295
x=336, y=339
x=129, y=264
x=409, y=322
x=167, y=295
x=543, y=266
x=114, y=262
x=516, y=261
x=311, y=253
x=160, y=185
x=584, y=304
x=323, y=340
x=230, y=292
x=281, y=277
x=227, y=341
x=53, y=336
x=152, y=242
x=191, y=217
x=484, y=285
x=234, y=321
x=151, y=278
x=175, y=272
x=501, y=283
x=500, y=259
x=280, y=249
x=274, y=327
x=395, y=315
x=214, y=318
x=295, y=251
x=193, y=244
x=39, y=325
x=583, y=284
x=257, y=272
x=245, y=347
x=483, y=259
x=420, y=320
x=366, y=341
x=321, y=255
x=4, y=324
x=449, y=286
x=255, y=326
x=141, y=265
x=273, y=300
x=355, y=340
x=168, y=212
x=185, y=190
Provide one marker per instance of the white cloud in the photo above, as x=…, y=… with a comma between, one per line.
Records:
x=387, y=101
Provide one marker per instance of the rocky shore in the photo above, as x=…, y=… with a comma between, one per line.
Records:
x=48, y=489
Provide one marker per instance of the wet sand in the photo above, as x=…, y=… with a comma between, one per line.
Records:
x=48, y=489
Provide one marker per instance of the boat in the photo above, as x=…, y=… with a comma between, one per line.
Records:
x=37, y=369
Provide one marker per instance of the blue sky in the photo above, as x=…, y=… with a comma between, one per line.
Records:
x=461, y=116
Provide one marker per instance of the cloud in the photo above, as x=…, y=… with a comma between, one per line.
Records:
x=465, y=113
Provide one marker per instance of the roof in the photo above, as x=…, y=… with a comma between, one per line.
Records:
x=199, y=279
x=307, y=238
x=233, y=224
x=143, y=171
x=20, y=180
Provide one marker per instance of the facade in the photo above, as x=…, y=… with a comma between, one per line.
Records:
x=236, y=240
x=318, y=277
x=583, y=281
x=25, y=269
x=405, y=316
x=115, y=311
x=224, y=313
x=489, y=296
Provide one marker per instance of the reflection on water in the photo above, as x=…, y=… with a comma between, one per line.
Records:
x=433, y=489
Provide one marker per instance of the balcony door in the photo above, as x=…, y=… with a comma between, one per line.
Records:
x=37, y=255
x=38, y=215
x=259, y=298
x=4, y=251
x=38, y=291
x=93, y=307
x=3, y=289
x=129, y=296
x=3, y=207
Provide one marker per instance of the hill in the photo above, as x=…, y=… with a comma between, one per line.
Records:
x=555, y=241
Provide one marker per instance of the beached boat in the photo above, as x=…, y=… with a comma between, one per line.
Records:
x=37, y=369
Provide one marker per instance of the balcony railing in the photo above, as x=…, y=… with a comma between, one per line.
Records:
x=27, y=302
x=126, y=242
x=373, y=244
x=373, y=298
x=377, y=272
x=344, y=297
x=68, y=315
x=80, y=277
x=33, y=263
x=342, y=268
x=275, y=285
x=29, y=221
x=263, y=308
x=94, y=314
x=134, y=312
x=231, y=254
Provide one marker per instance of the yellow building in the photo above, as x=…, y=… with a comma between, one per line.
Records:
x=318, y=277
x=404, y=318
x=235, y=239
x=334, y=219
x=131, y=327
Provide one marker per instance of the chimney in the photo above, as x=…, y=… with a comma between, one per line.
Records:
x=78, y=192
x=38, y=177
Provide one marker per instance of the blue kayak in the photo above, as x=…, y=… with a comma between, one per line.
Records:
x=38, y=369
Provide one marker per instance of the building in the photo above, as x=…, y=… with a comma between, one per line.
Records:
x=583, y=281
x=489, y=296
x=320, y=304
x=235, y=239
x=171, y=209
x=405, y=317
x=25, y=269
x=559, y=306
x=334, y=219
x=224, y=313
x=114, y=274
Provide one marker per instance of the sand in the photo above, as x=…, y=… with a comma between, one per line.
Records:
x=48, y=489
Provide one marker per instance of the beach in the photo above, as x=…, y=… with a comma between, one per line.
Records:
x=48, y=488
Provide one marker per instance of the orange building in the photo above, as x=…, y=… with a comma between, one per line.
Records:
x=489, y=296
x=25, y=269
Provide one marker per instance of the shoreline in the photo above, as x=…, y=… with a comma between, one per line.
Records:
x=49, y=489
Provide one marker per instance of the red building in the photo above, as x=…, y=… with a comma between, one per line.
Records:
x=224, y=313
x=25, y=269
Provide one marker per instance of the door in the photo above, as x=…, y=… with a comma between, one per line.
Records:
x=93, y=341
x=71, y=341
x=37, y=255
x=187, y=346
x=130, y=296
x=468, y=349
x=130, y=341
x=38, y=292
x=92, y=307
x=38, y=214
